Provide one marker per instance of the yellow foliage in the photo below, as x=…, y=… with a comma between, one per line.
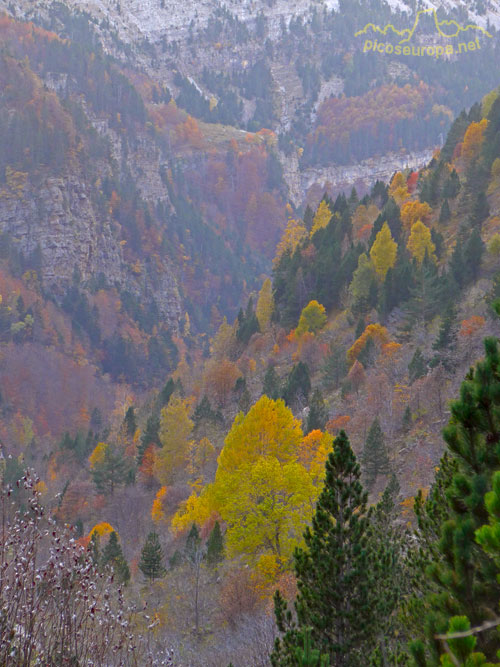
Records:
x=98, y=455
x=420, y=242
x=175, y=429
x=473, y=139
x=102, y=529
x=157, y=513
x=312, y=318
x=196, y=509
x=398, y=189
x=376, y=332
x=322, y=217
x=383, y=252
x=294, y=233
x=413, y=211
x=265, y=305
x=41, y=487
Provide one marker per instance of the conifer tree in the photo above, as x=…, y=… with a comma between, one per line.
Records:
x=375, y=459
x=417, y=367
x=112, y=555
x=407, y=419
x=215, y=546
x=166, y=392
x=334, y=583
x=111, y=472
x=271, y=385
x=151, y=436
x=335, y=367
x=298, y=385
x=130, y=421
x=445, y=213
x=446, y=340
x=461, y=577
x=151, y=563
x=318, y=413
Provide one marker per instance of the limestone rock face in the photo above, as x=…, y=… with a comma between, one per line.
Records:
x=59, y=217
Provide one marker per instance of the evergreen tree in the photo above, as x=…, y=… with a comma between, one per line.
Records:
x=271, y=385
x=130, y=421
x=335, y=367
x=445, y=213
x=334, y=580
x=427, y=295
x=417, y=367
x=298, y=385
x=473, y=252
x=446, y=340
x=151, y=436
x=111, y=472
x=113, y=555
x=215, y=546
x=248, y=324
x=151, y=563
x=318, y=413
x=451, y=186
x=407, y=420
x=166, y=392
x=460, y=577
x=375, y=459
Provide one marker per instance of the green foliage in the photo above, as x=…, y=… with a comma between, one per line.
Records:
x=215, y=546
x=111, y=472
x=152, y=558
x=417, y=367
x=375, y=459
x=334, y=596
x=335, y=367
x=112, y=555
x=150, y=436
x=298, y=385
x=460, y=577
x=248, y=324
x=271, y=384
x=318, y=413
x=130, y=421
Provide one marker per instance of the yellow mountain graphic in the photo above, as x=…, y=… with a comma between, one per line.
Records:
x=407, y=33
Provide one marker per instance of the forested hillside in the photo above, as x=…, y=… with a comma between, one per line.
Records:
x=237, y=430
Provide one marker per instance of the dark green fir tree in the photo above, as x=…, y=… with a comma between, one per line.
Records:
x=151, y=436
x=375, y=459
x=460, y=577
x=334, y=580
x=318, y=413
x=271, y=385
x=445, y=213
x=215, y=546
x=152, y=558
x=112, y=555
x=417, y=367
x=130, y=421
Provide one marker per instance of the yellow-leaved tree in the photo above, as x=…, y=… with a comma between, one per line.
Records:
x=265, y=305
x=398, y=189
x=413, y=211
x=312, y=318
x=263, y=491
x=294, y=233
x=420, y=242
x=175, y=432
x=322, y=217
x=383, y=252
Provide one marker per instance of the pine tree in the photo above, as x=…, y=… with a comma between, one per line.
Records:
x=298, y=385
x=334, y=580
x=271, y=385
x=215, y=546
x=151, y=563
x=445, y=213
x=130, y=421
x=318, y=413
x=335, y=367
x=446, y=340
x=407, y=420
x=166, y=393
x=112, y=555
x=417, y=367
x=461, y=577
x=375, y=459
x=473, y=252
x=111, y=472
x=151, y=436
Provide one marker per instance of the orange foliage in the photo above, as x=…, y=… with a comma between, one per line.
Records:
x=413, y=211
x=472, y=326
x=337, y=424
x=376, y=332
